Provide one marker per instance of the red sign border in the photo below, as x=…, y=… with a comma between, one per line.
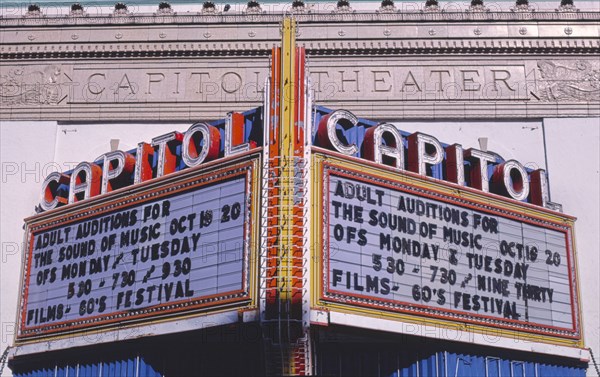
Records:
x=430, y=311
x=184, y=181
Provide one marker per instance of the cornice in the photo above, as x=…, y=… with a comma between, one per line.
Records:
x=131, y=71
x=454, y=47
x=389, y=111
x=133, y=51
x=389, y=47
x=275, y=18
x=354, y=37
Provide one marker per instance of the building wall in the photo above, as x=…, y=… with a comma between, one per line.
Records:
x=63, y=123
x=572, y=147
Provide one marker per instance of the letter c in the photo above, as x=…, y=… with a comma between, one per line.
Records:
x=89, y=83
x=327, y=135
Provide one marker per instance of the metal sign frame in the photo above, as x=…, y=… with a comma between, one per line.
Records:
x=246, y=165
x=325, y=163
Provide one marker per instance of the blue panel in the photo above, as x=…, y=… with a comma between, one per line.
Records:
x=123, y=367
x=85, y=370
x=530, y=369
x=427, y=366
x=463, y=362
x=409, y=369
x=493, y=366
x=455, y=365
x=408, y=362
x=146, y=370
x=131, y=364
x=71, y=371
x=94, y=370
x=61, y=371
x=116, y=368
x=505, y=367
x=405, y=358
x=517, y=369
x=112, y=368
x=477, y=365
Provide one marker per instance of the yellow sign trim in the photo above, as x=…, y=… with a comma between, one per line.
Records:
x=317, y=230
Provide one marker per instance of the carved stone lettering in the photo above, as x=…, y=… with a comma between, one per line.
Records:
x=382, y=81
x=420, y=82
x=352, y=78
x=102, y=85
x=63, y=85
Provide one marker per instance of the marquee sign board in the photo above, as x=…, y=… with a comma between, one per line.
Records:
x=397, y=243
x=179, y=246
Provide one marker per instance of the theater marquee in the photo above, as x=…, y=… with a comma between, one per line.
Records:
x=398, y=243
x=176, y=246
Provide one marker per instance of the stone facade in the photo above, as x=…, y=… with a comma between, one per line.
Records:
x=131, y=67
x=381, y=65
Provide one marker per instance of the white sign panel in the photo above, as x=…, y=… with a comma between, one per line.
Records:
x=389, y=247
x=182, y=251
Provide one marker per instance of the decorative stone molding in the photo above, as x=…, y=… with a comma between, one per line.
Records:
x=567, y=8
x=343, y=7
x=432, y=43
x=432, y=8
x=121, y=10
x=308, y=17
x=164, y=9
x=572, y=80
x=253, y=8
x=24, y=86
x=387, y=6
x=33, y=11
x=477, y=8
x=77, y=10
x=46, y=71
x=209, y=8
x=522, y=7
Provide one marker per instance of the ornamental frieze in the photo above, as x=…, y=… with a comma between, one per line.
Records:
x=572, y=80
x=32, y=85
x=60, y=85
x=355, y=79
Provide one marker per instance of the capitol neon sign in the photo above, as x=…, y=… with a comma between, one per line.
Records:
x=199, y=144
x=383, y=144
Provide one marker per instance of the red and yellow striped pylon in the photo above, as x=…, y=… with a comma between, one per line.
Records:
x=285, y=243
